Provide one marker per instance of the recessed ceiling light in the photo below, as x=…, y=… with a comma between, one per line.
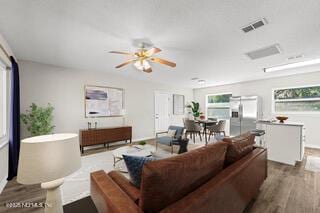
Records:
x=194, y=79
x=201, y=81
x=293, y=65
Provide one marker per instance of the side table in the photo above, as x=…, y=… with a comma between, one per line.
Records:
x=183, y=145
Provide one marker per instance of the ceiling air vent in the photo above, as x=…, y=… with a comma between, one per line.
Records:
x=254, y=25
x=264, y=52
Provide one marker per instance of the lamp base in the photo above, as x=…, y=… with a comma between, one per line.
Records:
x=53, y=200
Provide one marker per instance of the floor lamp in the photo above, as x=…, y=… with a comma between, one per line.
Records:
x=47, y=159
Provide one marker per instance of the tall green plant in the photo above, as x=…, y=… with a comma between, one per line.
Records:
x=38, y=119
x=195, y=108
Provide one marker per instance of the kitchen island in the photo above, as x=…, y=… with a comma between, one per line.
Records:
x=284, y=141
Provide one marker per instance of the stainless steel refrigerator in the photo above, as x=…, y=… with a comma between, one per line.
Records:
x=244, y=112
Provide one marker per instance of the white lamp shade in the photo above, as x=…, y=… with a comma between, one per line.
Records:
x=48, y=157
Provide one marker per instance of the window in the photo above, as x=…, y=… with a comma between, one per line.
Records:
x=297, y=100
x=3, y=101
x=218, y=106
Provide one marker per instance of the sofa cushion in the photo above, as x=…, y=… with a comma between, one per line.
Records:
x=172, y=133
x=165, y=140
x=168, y=180
x=179, y=130
x=135, y=165
x=238, y=147
x=125, y=185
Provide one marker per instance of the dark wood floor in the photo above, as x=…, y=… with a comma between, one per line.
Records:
x=287, y=189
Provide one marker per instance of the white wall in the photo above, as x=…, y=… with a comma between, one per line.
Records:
x=263, y=88
x=64, y=89
x=4, y=141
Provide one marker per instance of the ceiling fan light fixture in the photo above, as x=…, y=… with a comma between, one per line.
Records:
x=142, y=58
x=142, y=65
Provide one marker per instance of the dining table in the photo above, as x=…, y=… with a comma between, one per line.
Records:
x=205, y=123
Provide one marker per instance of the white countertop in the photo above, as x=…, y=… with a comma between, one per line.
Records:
x=286, y=123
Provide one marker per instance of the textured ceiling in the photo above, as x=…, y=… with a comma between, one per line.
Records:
x=203, y=37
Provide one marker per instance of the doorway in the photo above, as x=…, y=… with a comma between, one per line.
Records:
x=162, y=113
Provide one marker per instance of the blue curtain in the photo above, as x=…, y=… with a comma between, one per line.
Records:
x=14, y=135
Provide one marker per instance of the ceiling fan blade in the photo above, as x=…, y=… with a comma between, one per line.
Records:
x=152, y=51
x=162, y=61
x=149, y=70
x=125, y=63
x=123, y=53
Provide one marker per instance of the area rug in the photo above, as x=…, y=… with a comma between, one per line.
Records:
x=313, y=164
x=77, y=185
x=84, y=205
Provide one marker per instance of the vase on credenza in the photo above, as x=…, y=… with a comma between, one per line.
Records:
x=90, y=126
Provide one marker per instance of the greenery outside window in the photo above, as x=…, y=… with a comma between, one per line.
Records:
x=218, y=106
x=297, y=100
x=223, y=98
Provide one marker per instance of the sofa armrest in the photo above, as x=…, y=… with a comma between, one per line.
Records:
x=108, y=197
x=160, y=133
x=229, y=191
x=125, y=185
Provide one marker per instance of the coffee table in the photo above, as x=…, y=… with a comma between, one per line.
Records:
x=132, y=150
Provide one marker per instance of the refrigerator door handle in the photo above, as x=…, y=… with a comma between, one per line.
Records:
x=241, y=116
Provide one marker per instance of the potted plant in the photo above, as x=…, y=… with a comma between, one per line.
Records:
x=202, y=116
x=38, y=119
x=142, y=143
x=195, y=108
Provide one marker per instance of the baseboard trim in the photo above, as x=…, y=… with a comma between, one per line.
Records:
x=3, y=183
x=312, y=146
x=119, y=142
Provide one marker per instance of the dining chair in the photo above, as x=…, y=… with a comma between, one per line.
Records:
x=209, y=119
x=193, y=129
x=217, y=128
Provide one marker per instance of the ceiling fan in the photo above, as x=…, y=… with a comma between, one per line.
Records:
x=141, y=59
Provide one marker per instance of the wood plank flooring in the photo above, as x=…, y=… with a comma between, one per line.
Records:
x=287, y=189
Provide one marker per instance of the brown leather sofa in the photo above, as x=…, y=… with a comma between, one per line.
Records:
x=221, y=177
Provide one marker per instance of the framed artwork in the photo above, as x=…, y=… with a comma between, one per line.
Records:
x=178, y=104
x=103, y=101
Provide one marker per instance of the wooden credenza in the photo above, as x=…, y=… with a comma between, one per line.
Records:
x=89, y=137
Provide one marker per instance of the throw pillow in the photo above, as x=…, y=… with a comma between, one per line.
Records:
x=238, y=147
x=135, y=165
x=172, y=132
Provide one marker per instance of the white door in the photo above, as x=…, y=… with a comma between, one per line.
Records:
x=162, y=114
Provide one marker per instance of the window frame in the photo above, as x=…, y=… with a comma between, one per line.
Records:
x=214, y=94
x=273, y=101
